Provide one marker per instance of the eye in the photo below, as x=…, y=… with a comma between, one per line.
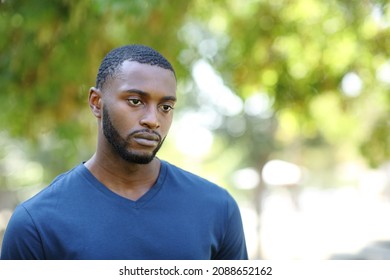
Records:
x=134, y=101
x=166, y=108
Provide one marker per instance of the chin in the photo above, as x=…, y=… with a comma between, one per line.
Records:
x=138, y=158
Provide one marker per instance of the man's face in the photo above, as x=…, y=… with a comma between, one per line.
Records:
x=137, y=110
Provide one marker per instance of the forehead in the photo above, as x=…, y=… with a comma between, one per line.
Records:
x=145, y=77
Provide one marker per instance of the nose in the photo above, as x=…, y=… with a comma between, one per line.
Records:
x=150, y=119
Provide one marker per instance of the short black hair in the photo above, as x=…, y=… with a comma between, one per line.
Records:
x=139, y=53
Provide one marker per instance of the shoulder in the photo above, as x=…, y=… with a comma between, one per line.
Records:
x=189, y=178
x=63, y=183
x=21, y=240
x=196, y=185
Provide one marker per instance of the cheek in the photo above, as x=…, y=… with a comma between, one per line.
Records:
x=118, y=119
x=166, y=124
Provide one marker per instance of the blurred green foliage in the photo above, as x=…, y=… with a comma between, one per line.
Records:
x=290, y=62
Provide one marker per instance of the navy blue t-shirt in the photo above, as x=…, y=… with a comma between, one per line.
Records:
x=182, y=216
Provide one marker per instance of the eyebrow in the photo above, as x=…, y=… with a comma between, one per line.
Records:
x=146, y=94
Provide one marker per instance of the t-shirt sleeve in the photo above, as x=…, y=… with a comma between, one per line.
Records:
x=233, y=244
x=21, y=239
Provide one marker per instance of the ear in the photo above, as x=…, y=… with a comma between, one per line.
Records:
x=95, y=101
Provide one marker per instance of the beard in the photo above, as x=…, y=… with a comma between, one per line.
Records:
x=121, y=145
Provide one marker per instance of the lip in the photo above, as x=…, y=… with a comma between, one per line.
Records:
x=146, y=139
x=146, y=142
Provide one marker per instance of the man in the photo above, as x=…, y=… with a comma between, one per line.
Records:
x=124, y=202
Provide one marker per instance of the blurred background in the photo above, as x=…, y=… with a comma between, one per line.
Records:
x=285, y=103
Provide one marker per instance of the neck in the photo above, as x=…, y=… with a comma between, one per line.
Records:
x=127, y=179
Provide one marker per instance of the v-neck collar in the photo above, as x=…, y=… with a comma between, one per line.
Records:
x=140, y=202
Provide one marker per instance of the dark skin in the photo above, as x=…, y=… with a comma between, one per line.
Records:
x=141, y=98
